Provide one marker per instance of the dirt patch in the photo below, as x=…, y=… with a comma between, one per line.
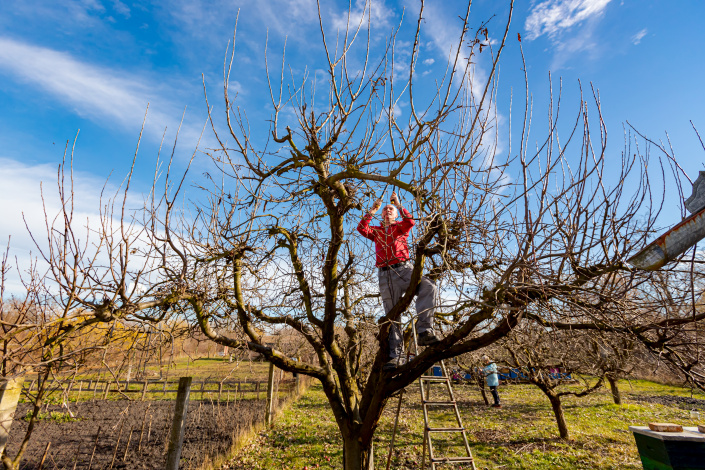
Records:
x=502, y=438
x=490, y=435
x=210, y=430
x=684, y=403
x=544, y=445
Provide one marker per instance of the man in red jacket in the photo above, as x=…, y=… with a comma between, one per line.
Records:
x=394, y=274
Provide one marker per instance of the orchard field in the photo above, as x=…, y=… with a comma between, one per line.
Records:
x=522, y=434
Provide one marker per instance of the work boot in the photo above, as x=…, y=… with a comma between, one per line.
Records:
x=427, y=338
x=393, y=363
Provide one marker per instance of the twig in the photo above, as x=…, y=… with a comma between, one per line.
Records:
x=75, y=461
x=46, y=450
x=116, y=445
x=127, y=447
x=149, y=428
x=97, y=435
x=144, y=420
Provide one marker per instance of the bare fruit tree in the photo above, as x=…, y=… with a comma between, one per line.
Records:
x=37, y=343
x=556, y=363
x=511, y=231
x=614, y=356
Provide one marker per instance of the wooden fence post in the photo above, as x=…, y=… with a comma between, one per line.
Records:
x=178, y=425
x=270, y=395
x=10, y=391
x=298, y=380
x=144, y=389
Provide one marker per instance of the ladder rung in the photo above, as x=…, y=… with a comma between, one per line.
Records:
x=433, y=378
x=440, y=403
x=430, y=429
x=452, y=459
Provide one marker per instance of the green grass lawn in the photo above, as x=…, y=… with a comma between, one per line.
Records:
x=215, y=368
x=522, y=434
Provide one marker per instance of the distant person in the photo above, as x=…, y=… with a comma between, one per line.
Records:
x=492, y=379
x=394, y=275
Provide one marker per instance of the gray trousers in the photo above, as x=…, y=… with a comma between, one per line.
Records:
x=392, y=284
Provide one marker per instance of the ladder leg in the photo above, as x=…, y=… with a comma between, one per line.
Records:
x=425, y=440
x=394, y=432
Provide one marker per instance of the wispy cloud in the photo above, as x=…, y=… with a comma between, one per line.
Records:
x=376, y=12
x=444, y=37
x=27, y=183
x=121, y=8
x=553, y=16
x=443, y=29
x=570, y=26
x=195, y=19
x=101, y=94
x=26, y=224
x=636, y=39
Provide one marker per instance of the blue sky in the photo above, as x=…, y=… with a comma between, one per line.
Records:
x=94, y=65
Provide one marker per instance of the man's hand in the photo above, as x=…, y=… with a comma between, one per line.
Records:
x=376, y=206
x=395, y=199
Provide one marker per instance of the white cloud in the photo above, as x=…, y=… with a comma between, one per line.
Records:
x=104, y=95
x=21, y=202
x=90, y=5
x=428, y=61
x=397, y=112
x=444, y=38
x=121, y=8
x=214, y=20
x=376, y=12
x=553, y=16
x=28, y=192
x=636, y=39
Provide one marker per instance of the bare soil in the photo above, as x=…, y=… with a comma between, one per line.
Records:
x=685, y=403
x=211, y=429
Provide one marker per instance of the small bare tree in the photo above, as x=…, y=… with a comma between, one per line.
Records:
x=546, y=359
x=614, y=357
x=34, y=340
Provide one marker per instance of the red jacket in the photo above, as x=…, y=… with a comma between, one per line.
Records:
x=391, y=243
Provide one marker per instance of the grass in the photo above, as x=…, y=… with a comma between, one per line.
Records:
x=200, y=369
x=55, y=416
x=216, y=368
x=523, y=434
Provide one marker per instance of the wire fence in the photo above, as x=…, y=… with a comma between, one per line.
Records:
x=151, y=389
x=96, y=424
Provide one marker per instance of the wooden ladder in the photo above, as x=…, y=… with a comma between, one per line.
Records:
x=429, y=431
x=425, y=382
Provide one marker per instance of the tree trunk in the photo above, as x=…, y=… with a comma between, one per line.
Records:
x=481, y=386
x=558, y=412
x=615, y=390
x=357, y=455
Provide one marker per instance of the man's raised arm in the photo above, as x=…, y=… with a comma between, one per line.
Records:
x=364, y=226
x=407, y=221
